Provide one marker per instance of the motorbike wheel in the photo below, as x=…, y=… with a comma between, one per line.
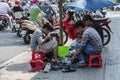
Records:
x=106, y=36
x=13, y=29
x=18, y=32
x=0, y=27
x=27, y=38
x=65, y=35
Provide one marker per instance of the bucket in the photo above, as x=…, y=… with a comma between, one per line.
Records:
x=63, y=51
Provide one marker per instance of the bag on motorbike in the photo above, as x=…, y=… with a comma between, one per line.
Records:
x=37, y=61
x=30, y=25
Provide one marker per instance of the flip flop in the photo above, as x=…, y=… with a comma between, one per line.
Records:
x=82, y=64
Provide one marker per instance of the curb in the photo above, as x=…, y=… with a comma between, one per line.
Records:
x=9, y=61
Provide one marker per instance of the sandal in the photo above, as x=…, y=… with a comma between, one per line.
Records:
x=82, y=64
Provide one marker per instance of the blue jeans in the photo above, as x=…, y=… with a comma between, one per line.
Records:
x=89, y=49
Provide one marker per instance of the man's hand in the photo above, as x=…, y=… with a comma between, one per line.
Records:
x=75, y=55
x=73, y=58
x=47, y=38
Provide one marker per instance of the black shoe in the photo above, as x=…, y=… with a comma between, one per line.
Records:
x=69, y=69
x=56, y=65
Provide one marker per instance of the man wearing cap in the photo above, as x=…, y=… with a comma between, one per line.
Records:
x=4, y=10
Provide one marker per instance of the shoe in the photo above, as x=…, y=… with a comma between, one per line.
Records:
x=68, y=69
x=47, y=68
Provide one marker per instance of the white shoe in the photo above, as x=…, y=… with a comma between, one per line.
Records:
x=47, y=68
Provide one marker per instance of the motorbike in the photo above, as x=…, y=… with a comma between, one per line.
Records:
x=106, y=31
x=28, y=27
x=101, y=25
x=18, y=21
x=16, y=25
x=3, y=22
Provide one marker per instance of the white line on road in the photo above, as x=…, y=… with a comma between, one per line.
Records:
x=7, y=62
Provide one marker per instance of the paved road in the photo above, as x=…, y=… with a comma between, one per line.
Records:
x=10, y=45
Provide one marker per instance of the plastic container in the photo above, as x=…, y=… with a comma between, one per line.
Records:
x=63, y=51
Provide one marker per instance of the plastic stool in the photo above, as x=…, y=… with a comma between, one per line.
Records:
x=92, y=57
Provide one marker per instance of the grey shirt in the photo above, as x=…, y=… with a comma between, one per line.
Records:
x=36, y=39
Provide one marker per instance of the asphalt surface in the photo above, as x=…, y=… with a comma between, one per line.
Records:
x=10, y=45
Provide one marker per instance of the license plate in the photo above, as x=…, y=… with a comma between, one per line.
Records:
x=0, y=21
x=31, y=35
x=23, y=32
x=14, y=21
x=17, y=26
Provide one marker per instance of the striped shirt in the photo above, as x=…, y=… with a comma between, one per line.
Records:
x=91, y=36
x=36, y=39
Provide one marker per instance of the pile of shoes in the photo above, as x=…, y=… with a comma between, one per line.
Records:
x=56, y=65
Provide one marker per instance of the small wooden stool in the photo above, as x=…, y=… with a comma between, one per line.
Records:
x=92, y=58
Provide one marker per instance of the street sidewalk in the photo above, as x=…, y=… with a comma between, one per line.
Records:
x=18, y=68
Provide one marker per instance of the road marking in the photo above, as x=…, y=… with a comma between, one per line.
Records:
x=7, y=62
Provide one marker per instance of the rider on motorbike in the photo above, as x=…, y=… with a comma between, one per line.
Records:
x=17, y=9
x=49, y=11
x=26, y=7
x=34, y=12
x=5, y=10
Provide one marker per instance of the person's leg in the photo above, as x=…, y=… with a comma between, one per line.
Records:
x=77, y=44
x=89, y=49
x=80, y=57
x=55, y=55
x=49, y=46
x=9, y=20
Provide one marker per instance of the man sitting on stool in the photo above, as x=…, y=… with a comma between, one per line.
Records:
x=90, y=43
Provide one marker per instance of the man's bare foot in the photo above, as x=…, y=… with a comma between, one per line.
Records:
x=55, y=60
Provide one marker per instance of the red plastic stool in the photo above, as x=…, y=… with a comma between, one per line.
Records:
x=37, y=61
x=95, y=56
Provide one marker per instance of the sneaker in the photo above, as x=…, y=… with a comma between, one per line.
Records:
x=47, y=68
